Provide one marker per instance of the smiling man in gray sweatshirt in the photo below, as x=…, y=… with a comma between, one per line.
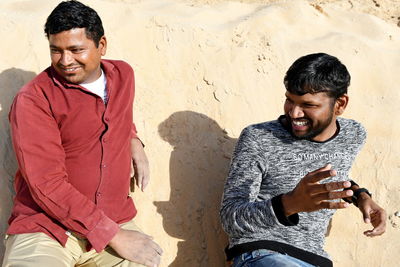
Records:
x=287, y=176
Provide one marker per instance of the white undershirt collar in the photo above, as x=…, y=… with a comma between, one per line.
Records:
x=98, y=87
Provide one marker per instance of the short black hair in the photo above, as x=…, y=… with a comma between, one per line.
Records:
x=317, y=73
x=73, y=14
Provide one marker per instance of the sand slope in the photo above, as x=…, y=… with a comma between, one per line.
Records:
x=206, y=70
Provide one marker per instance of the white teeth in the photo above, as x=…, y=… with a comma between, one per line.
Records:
x=300, y=123
x=70, y=69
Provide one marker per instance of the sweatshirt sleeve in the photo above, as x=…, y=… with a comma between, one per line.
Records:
x=241, y=212
x=41, y=158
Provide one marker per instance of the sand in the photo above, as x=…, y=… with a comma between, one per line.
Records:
x=205, y=69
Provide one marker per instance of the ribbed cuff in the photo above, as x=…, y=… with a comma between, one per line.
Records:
x=292, y=220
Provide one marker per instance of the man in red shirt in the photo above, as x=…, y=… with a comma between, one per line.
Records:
x=74, y=139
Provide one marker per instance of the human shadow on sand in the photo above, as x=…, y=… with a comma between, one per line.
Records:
x=198, y=168
x=11, y=80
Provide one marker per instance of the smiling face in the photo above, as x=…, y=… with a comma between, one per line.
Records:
x=75, y=57
x=313, y=116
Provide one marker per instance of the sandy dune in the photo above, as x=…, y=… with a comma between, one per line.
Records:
x=204, y=70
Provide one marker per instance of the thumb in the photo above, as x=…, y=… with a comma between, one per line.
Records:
x=139, y=180
x=132, y=173
x=366, y=216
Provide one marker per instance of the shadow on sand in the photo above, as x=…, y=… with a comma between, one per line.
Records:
x=198, y=167
x=11, y=80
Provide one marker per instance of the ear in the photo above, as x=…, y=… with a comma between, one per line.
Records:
x=103, y=45
x=341, y=104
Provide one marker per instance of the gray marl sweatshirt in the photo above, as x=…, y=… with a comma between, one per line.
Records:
x=269, y=161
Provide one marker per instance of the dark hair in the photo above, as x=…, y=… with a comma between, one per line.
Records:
x=73, y=14
x=317, y=73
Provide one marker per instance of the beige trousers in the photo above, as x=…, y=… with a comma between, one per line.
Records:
x=40, y=250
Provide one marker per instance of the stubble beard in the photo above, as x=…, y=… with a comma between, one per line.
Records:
x=314, y=131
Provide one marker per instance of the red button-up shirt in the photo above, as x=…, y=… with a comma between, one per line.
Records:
x=74, y=156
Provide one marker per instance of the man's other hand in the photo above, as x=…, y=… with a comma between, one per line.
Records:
x=372, y=213
x=140, y=164
x=310, y=195
x=137, y=247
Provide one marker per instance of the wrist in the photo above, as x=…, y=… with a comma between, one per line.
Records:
x=115, y=238
x=282, y=217
x=287, y=204
x=362, y=196
x=135, y=141
x=359, y=195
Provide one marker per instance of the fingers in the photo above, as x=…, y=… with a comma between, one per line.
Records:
x=139, y=179
x=142, y=179
x=326, y=167
x=153, y=244
x=318, y=175
x=137, y=247
x=145, y=180
x=153, y=262
x=157, y=248
x=153, y=258
x=378, y=220
x=327, y=187
x=132, y=173
x=140, y=164
x=333, y=195
x=365, y=212
x=142, y=175
x=374, y=232
x=150, y=252
x=373, y=214
x=333, y=205
x=137, y=175
x=322, y=200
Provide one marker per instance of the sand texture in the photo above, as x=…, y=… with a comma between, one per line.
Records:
x=206, y=69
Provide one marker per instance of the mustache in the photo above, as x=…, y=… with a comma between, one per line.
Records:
x=68, y=66
x=288, y=118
